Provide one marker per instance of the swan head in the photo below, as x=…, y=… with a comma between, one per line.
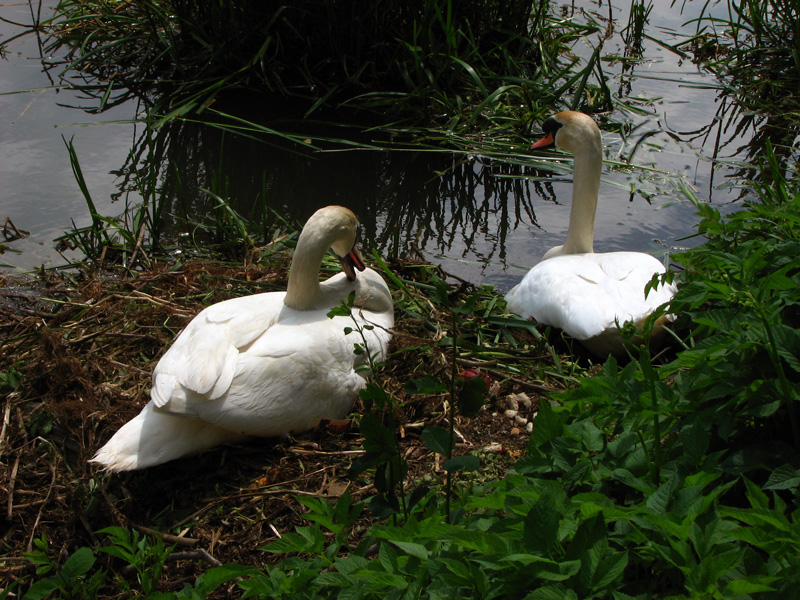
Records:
x=337, y=228
x=569, y=130
x=345, y=233
x=351, y=260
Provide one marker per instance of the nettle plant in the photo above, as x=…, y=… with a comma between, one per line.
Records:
x=396, y=496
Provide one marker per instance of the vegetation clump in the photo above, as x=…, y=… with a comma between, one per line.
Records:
x=419, y=62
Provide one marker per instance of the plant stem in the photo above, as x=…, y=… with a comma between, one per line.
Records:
x=452, y=412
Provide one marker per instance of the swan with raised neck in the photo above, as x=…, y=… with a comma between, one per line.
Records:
x=577, y=133
x=573, y=288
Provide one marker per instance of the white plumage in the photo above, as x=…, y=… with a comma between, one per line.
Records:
x=263, y=365
x=572, y=288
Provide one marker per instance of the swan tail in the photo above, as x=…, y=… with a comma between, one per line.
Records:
x=154, y=437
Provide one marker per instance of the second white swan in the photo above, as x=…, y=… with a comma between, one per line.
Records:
x=572, y=288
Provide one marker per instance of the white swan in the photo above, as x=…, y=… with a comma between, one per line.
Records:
x=266, y=364
x=572, y=288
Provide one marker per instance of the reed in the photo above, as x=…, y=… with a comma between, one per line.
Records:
x=419, y=62
x=755, y=51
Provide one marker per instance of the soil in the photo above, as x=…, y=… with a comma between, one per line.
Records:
x=76, y=354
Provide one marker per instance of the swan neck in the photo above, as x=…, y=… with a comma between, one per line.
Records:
x=585, y=188
x=303, y=291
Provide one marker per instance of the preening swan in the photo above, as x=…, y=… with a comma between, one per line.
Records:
x=573, y=288
x=266, y=364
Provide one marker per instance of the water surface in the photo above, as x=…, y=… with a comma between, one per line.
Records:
x=481, y=220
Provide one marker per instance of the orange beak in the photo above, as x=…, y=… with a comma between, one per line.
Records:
x=547, y=140
x=351, y=262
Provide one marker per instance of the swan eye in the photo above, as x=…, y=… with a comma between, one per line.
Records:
x=551, y=126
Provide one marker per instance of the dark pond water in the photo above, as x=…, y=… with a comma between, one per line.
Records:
x=481, y=220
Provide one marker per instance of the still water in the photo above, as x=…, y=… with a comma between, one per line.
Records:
x=481, y=220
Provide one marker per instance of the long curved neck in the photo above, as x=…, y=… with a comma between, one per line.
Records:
x=585, y=187
x=303, y=291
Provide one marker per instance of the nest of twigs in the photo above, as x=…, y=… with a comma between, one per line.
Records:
x=77, y=353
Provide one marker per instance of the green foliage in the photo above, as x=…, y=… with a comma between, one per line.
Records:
x=70, y=580
x=426, y=54
x=9, y=381
x=644, y=481
x=146, y=555
x=675, y=480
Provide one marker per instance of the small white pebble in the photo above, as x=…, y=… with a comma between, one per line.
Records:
x=510, y=414
x=529, y=426
x=523, y=399
x=493, y=447
x=511, y=402
x=519, y=420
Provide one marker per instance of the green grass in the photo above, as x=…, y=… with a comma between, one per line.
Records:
x=755, y=52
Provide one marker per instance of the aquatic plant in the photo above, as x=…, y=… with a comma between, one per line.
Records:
x=755, y=51
x=433, y=70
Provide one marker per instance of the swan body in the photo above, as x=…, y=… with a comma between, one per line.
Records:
x=263, y=365
x=572, y=288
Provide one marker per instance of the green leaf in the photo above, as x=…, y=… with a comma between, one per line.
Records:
x=374, y=393
x=213, y=578
x=784, y=477
x=377, y=437
x=425, y=385
x=81, y=561
x=546, y=426
x=462, y=463
x=611, y=569
x=472, y=396
x=41, y=589
x=540, y=533
x=413, y=549
x=742, y=587
x=437, y=439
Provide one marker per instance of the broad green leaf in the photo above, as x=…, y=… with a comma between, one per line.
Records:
x=540, y=532
x=81, y=561
x=741, y=587
x=437, y=439
x=472, y=396
x=41, y=589
x=784, y=477
x=413, y=549
x=210, y=580
x=552, y=592
x=611, y=569
x=546, y=426
x=425, y=385
x=466, y=462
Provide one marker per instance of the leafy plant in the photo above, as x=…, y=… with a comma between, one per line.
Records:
x=71, y=579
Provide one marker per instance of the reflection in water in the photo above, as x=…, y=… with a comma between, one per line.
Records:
x=407, y=200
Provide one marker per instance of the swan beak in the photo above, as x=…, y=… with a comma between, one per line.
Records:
x=546, y=141
x=351, y=262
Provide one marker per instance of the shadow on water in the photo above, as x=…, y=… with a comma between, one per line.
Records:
x=406, y=200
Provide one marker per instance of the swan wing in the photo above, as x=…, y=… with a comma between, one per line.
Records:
x=301, y=370
x=204, y=356
x=586, y=294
